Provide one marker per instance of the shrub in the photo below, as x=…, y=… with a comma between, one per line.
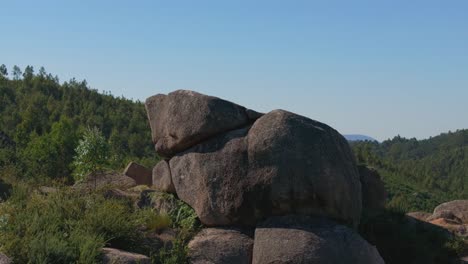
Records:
x=64, y=227
x=92, y=154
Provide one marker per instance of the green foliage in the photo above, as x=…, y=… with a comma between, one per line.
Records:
x=185, y=221
x=45, y=118
x=66, y=226
x=420, y=174
x=175, y=255
x=92, y=154
x=182, y=216
x=154, y=221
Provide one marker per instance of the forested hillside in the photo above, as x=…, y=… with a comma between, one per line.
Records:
x=419, y=174
x=41, y=121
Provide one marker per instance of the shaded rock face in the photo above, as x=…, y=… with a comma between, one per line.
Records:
x=299, y=239
x=139, y=173
x=459, y=208
x=182, y=119
x=374, y=195
x=220, y=246
x=116, y=256
x=283, y=164
x=162, y=179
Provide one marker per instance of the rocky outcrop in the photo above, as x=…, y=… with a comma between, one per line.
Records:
x=283, y=164
x=219, y=245
x=237, y=167
x=4, y=259
x=374, y=195
x=458, y=208
x=299, y=239
x=139, y=173
x=162, y=179
x=116, y=256
x=182, y=119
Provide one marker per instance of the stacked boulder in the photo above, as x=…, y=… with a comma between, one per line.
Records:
x=289, y=181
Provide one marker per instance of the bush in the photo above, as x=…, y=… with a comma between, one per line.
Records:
x=64, y=227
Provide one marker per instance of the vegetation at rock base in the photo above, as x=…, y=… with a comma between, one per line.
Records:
x=69, y=226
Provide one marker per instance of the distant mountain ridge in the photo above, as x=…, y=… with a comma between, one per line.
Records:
x=358, y=137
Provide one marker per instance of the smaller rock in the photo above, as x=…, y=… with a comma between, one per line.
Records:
x=220, y=246
x=139, y=173
x=459, y=208
x=117, y=256
x=4, y=259
x=162, y=178
x=419, y=215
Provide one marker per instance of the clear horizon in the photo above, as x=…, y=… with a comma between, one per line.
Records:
x=378, y=69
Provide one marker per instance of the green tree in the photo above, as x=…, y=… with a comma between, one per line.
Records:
x=16, y=73
x=3, y=70
x=92, y=154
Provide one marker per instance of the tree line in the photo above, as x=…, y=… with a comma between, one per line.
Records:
x=42, y=120
x=420, y=174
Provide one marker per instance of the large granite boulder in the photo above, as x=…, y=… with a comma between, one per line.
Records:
x=141, y=174
x=117, y=256
x=374, y=195
x=182, y=119
x=220, y=246
x=458, y=208
x=283, y=164
x=211, y=179
x=299, y=239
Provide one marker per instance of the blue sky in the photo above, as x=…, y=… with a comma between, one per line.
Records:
x=379, y=68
